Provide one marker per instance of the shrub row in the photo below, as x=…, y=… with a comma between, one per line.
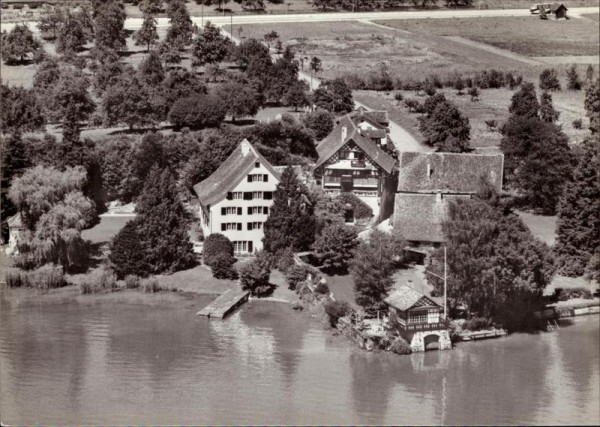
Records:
x=46, y=277
x=103, y=279
x=477, y=324
x=487, y=79
x=563, y=294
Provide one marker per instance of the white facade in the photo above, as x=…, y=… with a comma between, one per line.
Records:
x=243, y=210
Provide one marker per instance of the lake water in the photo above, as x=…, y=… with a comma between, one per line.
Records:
x=92, y=360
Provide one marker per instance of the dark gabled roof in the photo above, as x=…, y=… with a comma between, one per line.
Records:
x=334, y=142
x=405, y=298
x=450, y=172
x=419, y=217
x=214, y=188
x=379, y=118
x=555, y=6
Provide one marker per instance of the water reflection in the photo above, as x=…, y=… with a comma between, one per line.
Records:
x=106, y=363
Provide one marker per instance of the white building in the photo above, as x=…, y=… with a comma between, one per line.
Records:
x=236, y=199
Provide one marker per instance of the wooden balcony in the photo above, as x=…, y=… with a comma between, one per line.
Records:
x=418, y=327
x=366, y=182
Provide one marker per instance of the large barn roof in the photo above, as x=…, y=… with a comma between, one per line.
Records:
x=419, y=217
x=334, y=142
x=214, y=188
x=448, y=172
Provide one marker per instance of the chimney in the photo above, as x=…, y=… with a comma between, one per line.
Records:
x=344, y=133
x=438, y=197
x=428, y=169
x=246, y=147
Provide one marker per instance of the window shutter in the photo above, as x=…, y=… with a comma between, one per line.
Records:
x=223, y=211
x=239, y=211
x=249, y=225
x=223, y=227
x=268, y=195
x=247, y=195
x=266, y=210
x=229, y=195
x=249, y=210
x=239, y=226
x=266, y=178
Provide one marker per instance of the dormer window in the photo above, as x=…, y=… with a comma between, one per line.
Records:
x=257, y=164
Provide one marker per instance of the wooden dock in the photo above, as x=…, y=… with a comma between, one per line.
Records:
x=224, y=304
x=482, y=335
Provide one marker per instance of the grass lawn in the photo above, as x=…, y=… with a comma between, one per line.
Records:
x=106, y=229
x=593, y=17
x=542, y=227
x=529, y=36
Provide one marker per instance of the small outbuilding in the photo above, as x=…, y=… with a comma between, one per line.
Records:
x=420, y=318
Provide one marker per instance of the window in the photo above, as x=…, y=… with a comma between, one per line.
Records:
x=258, y=177
x=254, y=225
x=257, y=194
x=257, y=164
x=238, y=195
x=268, y=195
x=258, y=210
x=240, y=246
x=231, y=226
x=231, y=210
x=418, y=317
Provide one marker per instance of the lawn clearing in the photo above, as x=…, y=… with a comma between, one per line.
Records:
x=106, y=229
x=529, y=36
x=541, y=226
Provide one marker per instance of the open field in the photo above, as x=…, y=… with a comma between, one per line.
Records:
x=106, y=229
x=360, y=47
x=593, y=17
x=529, y=36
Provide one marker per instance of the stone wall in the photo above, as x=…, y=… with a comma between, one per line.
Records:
x=417, y=342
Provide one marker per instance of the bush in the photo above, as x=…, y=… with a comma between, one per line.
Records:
x=296, y=274
x=335, y=310
x=321, y=122
x=398, y=96
x=477, y=324
x=254, y=277
x=285, y=260
x=400, y=346
x=222, y=266
x=132, y=281
x=214, y=245
x=361, y=209
x=322, y=288
x=549, y=80
x=101, y=280
x=46, y=277
x=197, y=112
x=578, y=124
x=150, y=286
x=570, y=293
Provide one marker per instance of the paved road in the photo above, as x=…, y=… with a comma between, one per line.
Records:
x=134, y=23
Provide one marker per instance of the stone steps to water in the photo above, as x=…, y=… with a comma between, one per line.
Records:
x=224, y=304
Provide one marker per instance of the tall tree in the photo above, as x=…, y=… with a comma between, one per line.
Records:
x=151, y=70
x=72, y=102
x=524, y=102
x=109, y=21
x=537, y=160
x=372, y=269
x=20, y=110
x=151, y=6
x=210, y=47
x=127, y=253
x=181, y=84
x=335, y=96
x=335, y=246
x=547, y=112
x=574, y=83
x=72, y=35
x=578, y=225
x=14, y=161
x=147, y=35
x=495, y=267
x=18, y=44
x=549, y=80
x=163, y=222
x=444, y=127
x=131, y=101
x=592, y=105
x=241, y=99
x=291, y=222
x=180, y=29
